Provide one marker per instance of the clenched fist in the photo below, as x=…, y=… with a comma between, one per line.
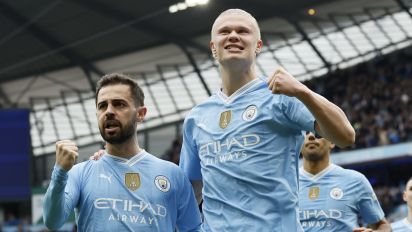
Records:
x=282, y=82
x=66, y=154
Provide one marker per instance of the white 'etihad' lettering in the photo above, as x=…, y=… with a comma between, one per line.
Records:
x=226, y=157
x=128, y=205
x=133, y=219
x=316, y=214
x=320, y=224
x=215, y=147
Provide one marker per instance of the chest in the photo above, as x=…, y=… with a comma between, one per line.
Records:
x=327, y=198
x=126, y=188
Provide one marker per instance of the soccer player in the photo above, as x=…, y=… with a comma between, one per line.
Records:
x=405, y=225
x=244, y=141
x=332, y=198
x=128, y=189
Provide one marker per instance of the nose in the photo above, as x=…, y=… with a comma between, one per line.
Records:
x=233, y=36
x=310, y=135
x=109, y=110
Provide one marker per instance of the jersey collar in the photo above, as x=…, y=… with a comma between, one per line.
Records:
x=238, y=92
x=132, y=161
x=320, y=174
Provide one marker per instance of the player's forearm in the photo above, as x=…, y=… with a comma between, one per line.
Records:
x=55, y=211
x=332, y=121
x=382, y=226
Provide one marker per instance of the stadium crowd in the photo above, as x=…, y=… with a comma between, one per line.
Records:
x=376, y=97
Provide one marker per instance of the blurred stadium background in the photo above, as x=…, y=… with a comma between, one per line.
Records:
x=357, y=53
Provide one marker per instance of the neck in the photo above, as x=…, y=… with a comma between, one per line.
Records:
x=235, y=76
x=409, y=218
x=314, y=167
x=125, y=150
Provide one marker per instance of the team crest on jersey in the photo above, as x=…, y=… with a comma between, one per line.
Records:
x=225, y=118
x=336, y=193
x=132, y=180
x=162, y=183
x=250, y=113
x=314, y=193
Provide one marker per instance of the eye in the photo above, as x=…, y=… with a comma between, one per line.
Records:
x=101, y=106
x=119, y=104
x=243, y=31
x=224, y=32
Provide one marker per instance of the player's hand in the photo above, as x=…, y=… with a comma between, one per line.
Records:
x=66, y=154
x=282, y=82
x=97, y=155
x=362, y=229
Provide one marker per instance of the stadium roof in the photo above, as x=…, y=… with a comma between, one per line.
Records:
x=46, y=35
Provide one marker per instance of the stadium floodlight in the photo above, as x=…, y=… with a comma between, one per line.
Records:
x=191, y=3
x=173, y=9
x=181, y=6
x=203, y=2
x=186, y=4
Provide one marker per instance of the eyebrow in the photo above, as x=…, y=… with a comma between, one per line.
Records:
x=231, y=27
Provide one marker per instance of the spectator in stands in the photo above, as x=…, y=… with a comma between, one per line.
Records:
x=332, y=198
x=244, y=142
x=375, y=96
x=405, y=225
x=128, y=189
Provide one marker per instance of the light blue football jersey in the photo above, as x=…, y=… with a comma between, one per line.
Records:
x=245, y=148
x=333, y=200
x=143, y=193
x=402, y=226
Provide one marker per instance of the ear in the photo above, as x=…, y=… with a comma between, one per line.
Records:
x=259, y=46
x=404, y=196
x=213, y=48
x=141, y=113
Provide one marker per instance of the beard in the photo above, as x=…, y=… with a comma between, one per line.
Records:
x=125, y=132
x=313, y=156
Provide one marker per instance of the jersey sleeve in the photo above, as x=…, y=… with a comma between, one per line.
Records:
x=368, y=204
x=188, y=214
x=189, y=157
x=61, y=197
x=298, y=115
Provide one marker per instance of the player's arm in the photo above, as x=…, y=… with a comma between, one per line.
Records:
x=57, y=204
x=331, y=121
x=381, y=226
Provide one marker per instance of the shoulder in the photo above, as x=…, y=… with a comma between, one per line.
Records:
x=348, y=172
x=83, y=167
x=164, y=165
x=199, y=111
x=205, y=104
x=354, y=178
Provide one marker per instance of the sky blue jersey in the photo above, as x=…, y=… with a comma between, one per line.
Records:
x=143, y=193
x=402, y=226
x=245, y=148
x=333, y=199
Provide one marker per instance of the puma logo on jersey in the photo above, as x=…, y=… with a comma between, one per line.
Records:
x=108, y=178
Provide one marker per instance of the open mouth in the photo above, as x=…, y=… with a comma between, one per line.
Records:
x=234, y=47
x=111, y=124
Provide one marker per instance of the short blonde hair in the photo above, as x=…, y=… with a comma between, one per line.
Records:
x=237, y=12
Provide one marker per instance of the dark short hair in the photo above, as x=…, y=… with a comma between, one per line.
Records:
x=121, y=79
